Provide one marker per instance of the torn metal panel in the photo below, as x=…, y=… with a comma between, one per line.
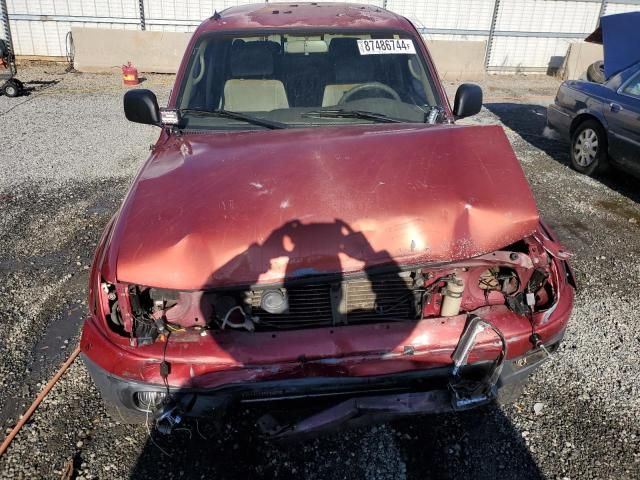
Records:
x=211, y=361
x=354, y=409
x=463, y=394
x=470, y=393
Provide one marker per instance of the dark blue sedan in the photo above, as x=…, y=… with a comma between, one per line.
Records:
x=602, y=120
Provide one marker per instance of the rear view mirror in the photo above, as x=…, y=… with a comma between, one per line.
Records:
x=468, y=100
x=141, y=106
x=306, y=46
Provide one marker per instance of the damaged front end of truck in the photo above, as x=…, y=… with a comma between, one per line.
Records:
x=314, y=235
x=426, y=283
x=385, y=342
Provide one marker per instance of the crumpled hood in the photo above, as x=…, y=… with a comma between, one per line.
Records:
x=240, y=208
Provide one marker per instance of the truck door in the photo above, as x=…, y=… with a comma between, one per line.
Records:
x=623, y=116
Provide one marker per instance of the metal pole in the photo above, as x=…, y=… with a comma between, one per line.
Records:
x=603, y=9
x=492, y=29
x=384, y=4
x=4, y=18
x=143, y=23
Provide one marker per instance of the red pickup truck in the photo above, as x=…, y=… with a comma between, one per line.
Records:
x=312, y=224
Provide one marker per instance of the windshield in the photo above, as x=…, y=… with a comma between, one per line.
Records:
x=303, y=80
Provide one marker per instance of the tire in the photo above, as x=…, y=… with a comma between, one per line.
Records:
x=11, y=89
x=595, y=72
x=589, y=148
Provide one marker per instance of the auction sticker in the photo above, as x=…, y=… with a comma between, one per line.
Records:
x=382, y=46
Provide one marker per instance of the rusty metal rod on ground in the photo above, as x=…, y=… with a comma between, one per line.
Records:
x=38, y=400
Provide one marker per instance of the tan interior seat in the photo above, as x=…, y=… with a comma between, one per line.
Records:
x=254, y=95
x=252, y=87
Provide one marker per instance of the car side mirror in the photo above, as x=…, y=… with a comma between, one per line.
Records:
x=141, y=106
x=3, y=49
x=468, y=100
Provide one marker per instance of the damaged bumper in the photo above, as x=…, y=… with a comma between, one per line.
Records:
x=356, y=400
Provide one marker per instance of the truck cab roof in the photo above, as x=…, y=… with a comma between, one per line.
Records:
x=305, y=15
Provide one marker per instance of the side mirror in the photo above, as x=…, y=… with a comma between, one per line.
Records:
x=468, y=100
x=3, y=49
x=141, y=106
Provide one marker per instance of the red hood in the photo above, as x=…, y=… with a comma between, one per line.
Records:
x=256, y=207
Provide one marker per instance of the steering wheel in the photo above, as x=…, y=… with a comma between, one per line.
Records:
x=369, y=86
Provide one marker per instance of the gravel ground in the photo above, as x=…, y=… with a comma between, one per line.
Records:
x=67, y=157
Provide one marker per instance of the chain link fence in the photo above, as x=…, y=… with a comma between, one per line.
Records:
x=521, y=35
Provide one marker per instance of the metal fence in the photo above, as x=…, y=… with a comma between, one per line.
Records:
x=521, y=35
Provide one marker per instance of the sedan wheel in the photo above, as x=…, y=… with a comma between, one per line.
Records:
x=586, y=147
x=589, y=148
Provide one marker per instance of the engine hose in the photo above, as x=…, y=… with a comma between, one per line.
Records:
x=41, y=396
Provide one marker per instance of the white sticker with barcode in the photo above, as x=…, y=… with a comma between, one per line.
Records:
x=380, y=46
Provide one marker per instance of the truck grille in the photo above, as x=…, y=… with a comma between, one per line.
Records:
x=355, y=301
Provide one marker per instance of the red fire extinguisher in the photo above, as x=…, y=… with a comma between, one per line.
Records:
x=130, y=74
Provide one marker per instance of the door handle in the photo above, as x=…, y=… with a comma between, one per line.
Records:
x=615, y=107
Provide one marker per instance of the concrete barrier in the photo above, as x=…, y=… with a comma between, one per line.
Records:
x=458, y=59
x=579, y=56
x=102, y=50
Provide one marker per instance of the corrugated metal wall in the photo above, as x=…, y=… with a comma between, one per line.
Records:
x=534, y=34
x=523, y=35
x=39, y=27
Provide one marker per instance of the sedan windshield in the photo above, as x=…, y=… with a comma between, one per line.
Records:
x=282, y=80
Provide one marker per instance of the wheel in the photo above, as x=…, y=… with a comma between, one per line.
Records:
x=11, y=89
x=595, y=72
x=589, y=148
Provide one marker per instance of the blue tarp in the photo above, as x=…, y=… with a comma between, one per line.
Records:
x=620, y=37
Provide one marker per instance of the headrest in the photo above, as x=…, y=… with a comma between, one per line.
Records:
x=350, y=66
x=252, y=59
x=354, y=70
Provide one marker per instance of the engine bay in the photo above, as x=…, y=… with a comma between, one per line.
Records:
x=520, y=277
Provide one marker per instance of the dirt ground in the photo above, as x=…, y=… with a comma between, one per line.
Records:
x=67, y=156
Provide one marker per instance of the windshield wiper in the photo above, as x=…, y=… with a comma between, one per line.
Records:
x=361, y=114
x=222, y=113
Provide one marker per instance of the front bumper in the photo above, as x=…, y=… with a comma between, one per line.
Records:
x=385, y=369
x=356, y=400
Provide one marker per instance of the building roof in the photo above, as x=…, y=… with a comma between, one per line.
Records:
x=302, y=15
